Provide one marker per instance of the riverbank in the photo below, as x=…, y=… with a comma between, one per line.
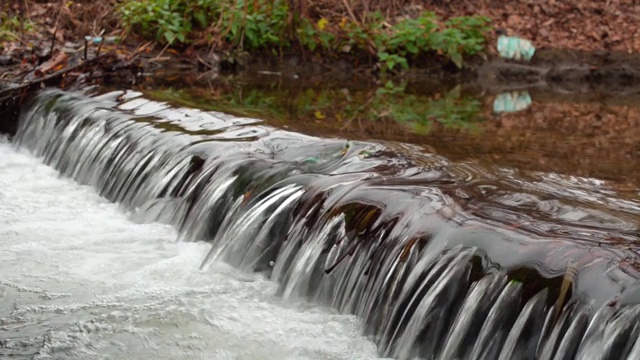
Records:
x=453, y=39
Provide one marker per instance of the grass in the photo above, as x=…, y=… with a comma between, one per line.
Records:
x=11, y=27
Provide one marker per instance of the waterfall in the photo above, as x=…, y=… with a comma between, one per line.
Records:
x=356, y=226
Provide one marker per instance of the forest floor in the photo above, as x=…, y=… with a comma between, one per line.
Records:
x=576, y=41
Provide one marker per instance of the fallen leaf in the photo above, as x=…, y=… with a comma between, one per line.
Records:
x=59, y=60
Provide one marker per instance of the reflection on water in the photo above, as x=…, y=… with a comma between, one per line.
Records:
x=583, y=134
x=389, y=101
x=512, y=101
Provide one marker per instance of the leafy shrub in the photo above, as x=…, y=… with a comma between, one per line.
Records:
x=255, y=24
x=311, y=35
x=262, y=24
x=399, y=43
x=164, y=20
x=246, y=24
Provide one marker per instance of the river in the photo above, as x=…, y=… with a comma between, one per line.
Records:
x=81, y=281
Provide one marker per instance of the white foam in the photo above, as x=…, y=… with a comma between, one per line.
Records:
x=79, y=280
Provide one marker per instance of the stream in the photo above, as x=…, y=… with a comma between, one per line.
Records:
x=274, y=221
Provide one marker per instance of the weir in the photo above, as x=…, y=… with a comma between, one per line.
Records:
x=439, y=261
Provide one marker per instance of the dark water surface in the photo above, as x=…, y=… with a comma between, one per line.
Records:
x=575, y=133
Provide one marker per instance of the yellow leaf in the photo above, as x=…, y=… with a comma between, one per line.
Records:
x=322, y=23
x=343, y=23
x=318, y=114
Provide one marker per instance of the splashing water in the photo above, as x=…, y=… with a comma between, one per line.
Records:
x=81, y=281
x=434, y=272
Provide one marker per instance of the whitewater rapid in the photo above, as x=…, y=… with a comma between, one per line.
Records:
x=79, y=280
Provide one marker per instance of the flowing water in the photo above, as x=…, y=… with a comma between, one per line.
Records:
x=438, y=259
x=80, y=280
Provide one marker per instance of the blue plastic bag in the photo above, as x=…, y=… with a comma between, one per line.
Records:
x=515, y=48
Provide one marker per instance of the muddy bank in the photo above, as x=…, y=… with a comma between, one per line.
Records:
x=572, y=71
x=559, y=70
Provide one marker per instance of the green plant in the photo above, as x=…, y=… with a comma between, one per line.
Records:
x=411, y=36
x=336, y=107
x=407, y=39
x=11, y=26
x=245, y=24
x=165, y=20
x=255, y=24
x=461, y=36
x=391, y=60
x=419, y=113
x=454, y=39
x=311, y=35
x=266, y=24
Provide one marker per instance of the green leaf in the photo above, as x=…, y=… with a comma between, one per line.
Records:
x=391, y=62
x=201, y=18
x=169, y=36
x=456, y=57
x=402, y=61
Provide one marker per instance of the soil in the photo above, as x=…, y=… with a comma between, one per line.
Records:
x=610, y=25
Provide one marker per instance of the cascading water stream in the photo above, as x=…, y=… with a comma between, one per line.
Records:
x=433, y=273
x=79, y=280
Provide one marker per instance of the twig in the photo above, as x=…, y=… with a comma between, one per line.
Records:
x=162, y=51
x=101, y=42
x=27, y=10
x=142, y=48
x=204, y=62
x=16, y=37
x=53, y=41
x=568, y=279
x=353, y=17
